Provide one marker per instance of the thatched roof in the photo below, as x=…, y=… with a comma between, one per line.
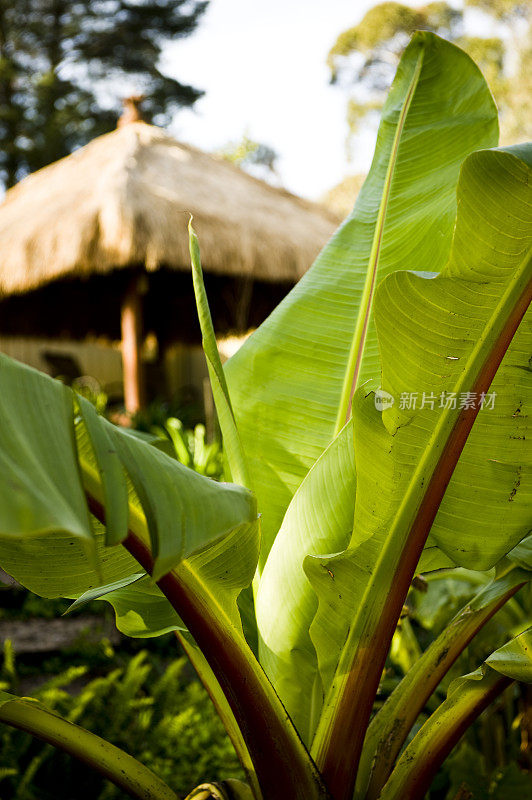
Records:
x=124, y=200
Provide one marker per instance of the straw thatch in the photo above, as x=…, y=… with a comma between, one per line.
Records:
x=124, y=200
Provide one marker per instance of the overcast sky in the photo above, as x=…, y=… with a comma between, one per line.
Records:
x=262, y=66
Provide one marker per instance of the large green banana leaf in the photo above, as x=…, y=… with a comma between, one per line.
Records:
x=198, y=536
x=320, y=515
x=47, y=541
x=487, y=505
x=318, y=520
x=205, y=529
x=437, y=335
x=290, y=382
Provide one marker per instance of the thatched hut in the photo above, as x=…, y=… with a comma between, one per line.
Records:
x=97, y=243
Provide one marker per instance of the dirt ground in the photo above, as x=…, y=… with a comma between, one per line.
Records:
x=48, y=635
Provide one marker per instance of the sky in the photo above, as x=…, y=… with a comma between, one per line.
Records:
x=262, y=66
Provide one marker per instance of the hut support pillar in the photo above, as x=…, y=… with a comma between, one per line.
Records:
x=131, y=324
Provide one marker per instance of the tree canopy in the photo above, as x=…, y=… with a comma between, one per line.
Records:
x=364, y=58
x=257, y=158
x=65, y=67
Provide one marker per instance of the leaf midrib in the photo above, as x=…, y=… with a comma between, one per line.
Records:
x=352, y=373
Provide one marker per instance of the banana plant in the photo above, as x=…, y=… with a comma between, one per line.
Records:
x=375, y=428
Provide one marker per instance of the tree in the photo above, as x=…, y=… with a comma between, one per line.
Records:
x=255, y=157
x=63, y=66
x=364, y=58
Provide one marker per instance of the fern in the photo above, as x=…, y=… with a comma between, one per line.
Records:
x=163, y=718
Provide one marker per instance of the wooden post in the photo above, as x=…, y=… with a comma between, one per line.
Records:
x=131, y=322
x=244, y=293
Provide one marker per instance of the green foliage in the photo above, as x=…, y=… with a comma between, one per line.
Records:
x=56, y=59
x=363, y=57
x=186, y=444
x=22, y=605
x=291, y=399
x=423, y=294
x=501, y=9
x=468, y=774
x=248, y=153
x=162, y=716
x=183, y=407
x=385, y=21
x=192, y=450
x=91, y=391
x=380, y=23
